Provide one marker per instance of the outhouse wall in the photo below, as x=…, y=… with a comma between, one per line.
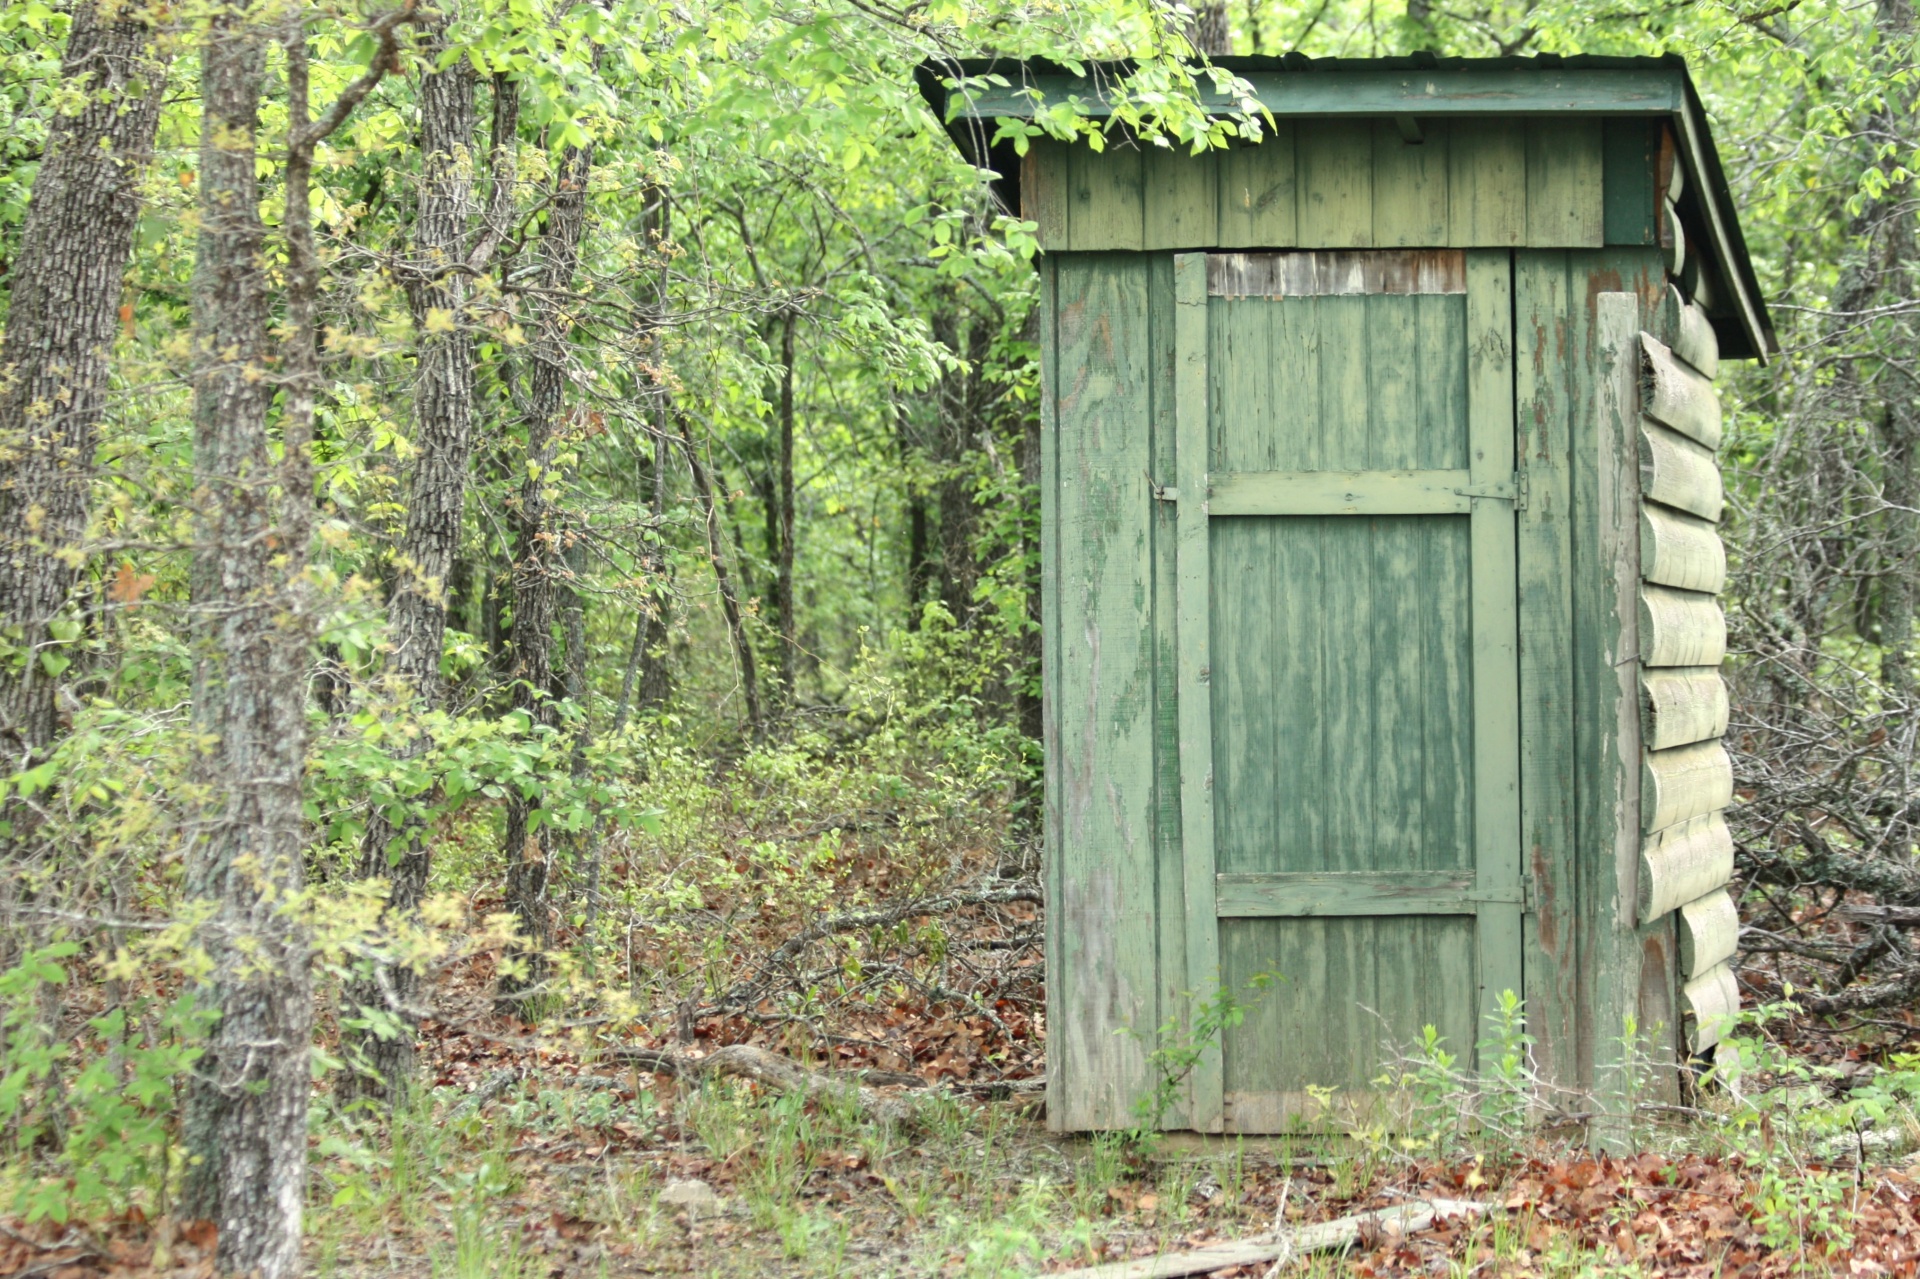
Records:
x=1578, y=205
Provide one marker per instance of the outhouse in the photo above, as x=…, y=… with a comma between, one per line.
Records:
x=1380, y=507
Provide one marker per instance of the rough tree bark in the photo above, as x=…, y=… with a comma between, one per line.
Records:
x=66, y=286
x=538, y=564
x=717, y=557
x=246, y=1105
x=439, y=290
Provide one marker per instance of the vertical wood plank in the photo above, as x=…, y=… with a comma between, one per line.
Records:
x=1496, y=683
x=1043, y=191
x=1196, y=717
x=1409, y=187
x=1257, y=193
x=1629, y=156
x=1103, y=673
x=1615, y=640
x=1170, y=895
x=1487, y=184
x=1335, y=183
x=1547, y=773
x=1566, y=204
x=1182, y=198
x=1058, y=1007
x=1104, y=205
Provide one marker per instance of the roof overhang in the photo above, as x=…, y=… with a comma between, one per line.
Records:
x=1418, y=85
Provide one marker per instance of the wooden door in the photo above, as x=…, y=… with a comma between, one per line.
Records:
x=1348, y=677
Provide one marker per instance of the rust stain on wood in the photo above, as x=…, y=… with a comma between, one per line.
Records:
x=1336, y=273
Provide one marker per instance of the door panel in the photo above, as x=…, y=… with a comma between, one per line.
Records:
x=1357, y=653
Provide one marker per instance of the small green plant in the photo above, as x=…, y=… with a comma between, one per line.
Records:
x=1178, y=1049
x=114, y=1120
x=1795, y=1207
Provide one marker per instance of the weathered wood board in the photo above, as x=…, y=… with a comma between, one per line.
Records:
x=1709, y=1003
x=1681, y=551
x=1679, y=473
x=1682, y=705
x=1316, y=184
x=1687, y=781
x=1681, y=628
x=1709, y=933
x=1677, y=397
x=1683, y=863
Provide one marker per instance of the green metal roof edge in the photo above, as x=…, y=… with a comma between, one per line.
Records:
x=1418, y=84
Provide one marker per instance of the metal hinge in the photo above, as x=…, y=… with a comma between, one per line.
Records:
x=1513, y=490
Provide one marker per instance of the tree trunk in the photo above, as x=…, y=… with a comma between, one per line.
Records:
x=729, y=598
x=783, y=559
x=246, y=1118
x=538, y=556
x=66, y=288
x=1209, y=32
x=417, y=610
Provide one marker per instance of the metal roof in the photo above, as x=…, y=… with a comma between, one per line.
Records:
x=1420, y=84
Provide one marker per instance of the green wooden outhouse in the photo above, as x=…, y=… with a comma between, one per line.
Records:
x=1380, y=563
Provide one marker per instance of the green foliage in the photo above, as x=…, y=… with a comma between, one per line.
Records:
x=1179, y=1046
x=107, y=1100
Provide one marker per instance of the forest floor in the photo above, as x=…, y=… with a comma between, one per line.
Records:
x=536, y=1155
x=528, y=1161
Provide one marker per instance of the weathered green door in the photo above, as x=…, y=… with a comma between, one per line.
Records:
x=1348, y=678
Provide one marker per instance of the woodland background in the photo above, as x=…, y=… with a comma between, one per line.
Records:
x=518, y=526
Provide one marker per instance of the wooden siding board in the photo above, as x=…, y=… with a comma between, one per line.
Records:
x=1101, y=914
x=1487, y=183
x=1708, y=932
x=1682, y=863
x=1496, y=711
x=1409, y=186
x=1681, y=551
x=1105, y=208
x=1606, y=715
x=1043, y=191
x=1544, y=400
x=1682, y=706
x=1257, y=193
x=1192, y=454
x=1335, y=184
x=1681, y=628
x=1632, y=203
x=1709, y=1003
x=1678, y=397
x=1170, y=895
x=1182, y=198
x=1677, y=472
x=1685, y=782
x=1565, y=205
x=1059, y=1006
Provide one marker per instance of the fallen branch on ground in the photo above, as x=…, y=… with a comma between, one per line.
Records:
x=744, y=1061
x=1282, y=1246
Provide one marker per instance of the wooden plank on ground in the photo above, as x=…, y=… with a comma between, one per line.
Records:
x=1679, y=473
x=1682, y=706
x=1193, y=626
x=1683, y=863
x=1685, y=782
x=1681, y=628
x=1681, y=551
x=1709, y=932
